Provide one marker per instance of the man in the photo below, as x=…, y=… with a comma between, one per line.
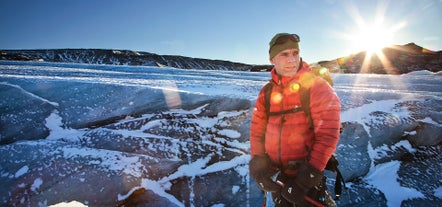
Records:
x=286, y=140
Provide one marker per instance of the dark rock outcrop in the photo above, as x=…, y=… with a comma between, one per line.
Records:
x=397, y=59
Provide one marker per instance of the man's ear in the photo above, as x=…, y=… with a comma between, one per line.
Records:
x=271, y=61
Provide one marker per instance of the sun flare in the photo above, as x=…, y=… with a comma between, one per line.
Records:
x=371, y=39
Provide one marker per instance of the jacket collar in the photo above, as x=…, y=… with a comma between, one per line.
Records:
x=284, y=80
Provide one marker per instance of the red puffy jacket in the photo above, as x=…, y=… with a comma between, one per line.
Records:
x=289, y=137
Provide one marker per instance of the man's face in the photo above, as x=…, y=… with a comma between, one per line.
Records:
x=286, y=62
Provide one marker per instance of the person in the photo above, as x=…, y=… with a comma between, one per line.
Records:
x=289, y=145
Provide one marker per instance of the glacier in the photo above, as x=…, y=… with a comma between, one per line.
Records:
x=101, y=135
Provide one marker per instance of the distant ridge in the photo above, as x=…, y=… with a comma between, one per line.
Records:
x=401, y=59
x=121, y=57
x=398, y=59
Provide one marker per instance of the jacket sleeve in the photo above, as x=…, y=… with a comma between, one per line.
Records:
x=325, y=110
x=258, y=126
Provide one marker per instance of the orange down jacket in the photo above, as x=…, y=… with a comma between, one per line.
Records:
x=289, y=137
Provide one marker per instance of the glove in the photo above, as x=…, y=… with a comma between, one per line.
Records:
x=259, y=168
x=294, y=194
x=296, y=189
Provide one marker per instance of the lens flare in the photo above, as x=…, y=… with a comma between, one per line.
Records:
x=276, y=98
x=392, y=120
x=172, y=97
x=323, y=71
x=294, y=87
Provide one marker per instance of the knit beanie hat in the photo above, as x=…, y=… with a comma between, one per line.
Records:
x=276, y=46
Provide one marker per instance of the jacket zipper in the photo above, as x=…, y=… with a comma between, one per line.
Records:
x=279, y=141
x=280, y=126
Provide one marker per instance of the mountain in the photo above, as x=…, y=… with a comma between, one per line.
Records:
x=121, y=57
x=399, y=59
x=396, y=59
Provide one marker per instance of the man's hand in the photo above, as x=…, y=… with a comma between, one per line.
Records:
x=296, y=189
x=294, y=194
x=260, y=170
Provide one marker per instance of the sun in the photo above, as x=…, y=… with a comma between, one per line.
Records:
x=371, y=39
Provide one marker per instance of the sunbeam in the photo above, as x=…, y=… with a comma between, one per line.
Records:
x=370, y=37
x=367, y=41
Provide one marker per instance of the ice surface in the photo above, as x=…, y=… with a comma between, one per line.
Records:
x=115, y=130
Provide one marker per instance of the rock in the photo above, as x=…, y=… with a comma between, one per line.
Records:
x=426, y=135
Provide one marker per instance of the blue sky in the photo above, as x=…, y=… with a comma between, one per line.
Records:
x=233, y=30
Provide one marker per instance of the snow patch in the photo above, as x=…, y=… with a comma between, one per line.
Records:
x=23, y=170
x=382, y=151
x=230, y=133
x=70, y=204
x=384, y=177
x=156, y=187
x=420, y=72
x=55, y=125
x=429, y=120
x=36, y=185
x=109, y=160
x=362, y=114
x=438, y=192
x=235, y=189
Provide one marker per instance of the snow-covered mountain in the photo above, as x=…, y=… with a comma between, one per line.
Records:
x=121, y=57
x=149, y=136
